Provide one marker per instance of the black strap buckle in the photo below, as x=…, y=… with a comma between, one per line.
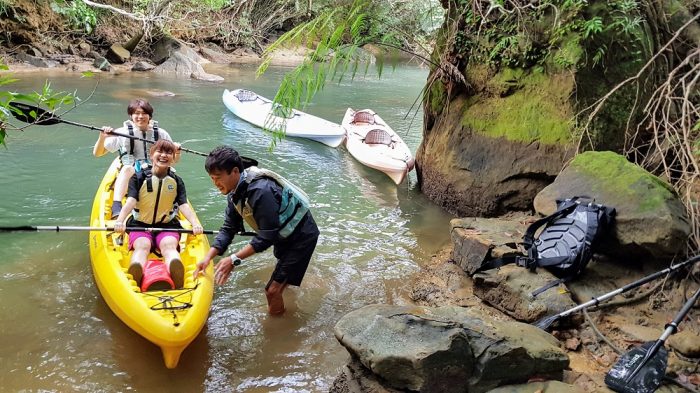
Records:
x=526, y=262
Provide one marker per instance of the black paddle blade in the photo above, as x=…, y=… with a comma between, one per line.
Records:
x=647, y=379
x=32, y=114
x=25, y=228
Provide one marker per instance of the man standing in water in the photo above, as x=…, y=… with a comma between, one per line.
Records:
x=272, y=206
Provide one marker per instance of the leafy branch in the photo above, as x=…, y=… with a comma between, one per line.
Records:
x=334, y=39
x=47, y=97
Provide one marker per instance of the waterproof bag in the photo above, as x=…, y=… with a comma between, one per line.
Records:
x=566, y=243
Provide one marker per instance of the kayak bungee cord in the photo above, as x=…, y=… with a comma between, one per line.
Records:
x=167, y=302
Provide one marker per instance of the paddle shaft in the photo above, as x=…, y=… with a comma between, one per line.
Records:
x=43, y=117
x=33, y=114
x=635, y=284
x=131, y=137
x=28, y=228
x=670, y=329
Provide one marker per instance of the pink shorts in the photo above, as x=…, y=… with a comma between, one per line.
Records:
x=158, y=238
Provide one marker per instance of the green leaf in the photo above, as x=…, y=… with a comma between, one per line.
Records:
x=7, y=79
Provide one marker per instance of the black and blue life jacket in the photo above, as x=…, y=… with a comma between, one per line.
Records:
x=294, y=202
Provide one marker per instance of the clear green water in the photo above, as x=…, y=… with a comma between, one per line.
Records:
x=59, y=335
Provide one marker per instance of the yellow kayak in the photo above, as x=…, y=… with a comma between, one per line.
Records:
x=170, y=319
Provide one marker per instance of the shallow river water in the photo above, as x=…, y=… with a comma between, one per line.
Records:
x=59, y=335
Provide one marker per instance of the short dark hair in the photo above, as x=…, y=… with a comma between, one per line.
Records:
x=139, y=103
x=163, y=145
x=223, y=158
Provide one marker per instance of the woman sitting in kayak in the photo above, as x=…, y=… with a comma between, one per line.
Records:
x=154, y=198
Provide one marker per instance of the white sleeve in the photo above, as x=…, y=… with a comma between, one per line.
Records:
x=113, y=143
x=164, y=134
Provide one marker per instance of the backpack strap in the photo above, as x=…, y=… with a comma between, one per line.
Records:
x=549, y=285
x=130, y=127
x=530, y=261
x=155, y=131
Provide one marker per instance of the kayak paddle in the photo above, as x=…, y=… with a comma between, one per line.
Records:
x=546, y=322
x=27, y=228
x=642, y=369
x=35, y=115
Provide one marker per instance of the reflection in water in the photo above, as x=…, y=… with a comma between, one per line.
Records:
x=62, y=337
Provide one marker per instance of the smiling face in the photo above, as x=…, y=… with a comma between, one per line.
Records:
x=162, y=155
x=162, y=160
x=141, y=119
x=225, y=181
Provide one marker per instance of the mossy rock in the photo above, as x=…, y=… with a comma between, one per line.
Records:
x=651, y=220
x=523, y=107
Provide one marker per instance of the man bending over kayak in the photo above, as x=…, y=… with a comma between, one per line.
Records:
x=272, y=206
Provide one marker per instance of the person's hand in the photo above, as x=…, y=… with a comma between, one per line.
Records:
x=178, y=146
x=107, y=129
x=119, y=227
x=197, y=229
x=201, y=266
x=223, y=271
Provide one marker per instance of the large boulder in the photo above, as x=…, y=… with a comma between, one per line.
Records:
x=447, y=349
x=502, y=115
x=651, y=220
x=179, y=64
x=167, y=46
x=485, y=156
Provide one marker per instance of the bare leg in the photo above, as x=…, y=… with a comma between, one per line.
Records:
x=142, y=246
x=122, y=182
x=168, y=247
x=275, y=301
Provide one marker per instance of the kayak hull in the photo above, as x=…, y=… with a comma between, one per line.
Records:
x=170, y=319
x=393, y=157
x=256, y=110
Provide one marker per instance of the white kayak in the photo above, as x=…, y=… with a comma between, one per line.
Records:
x=372, y=142
x=257, y=110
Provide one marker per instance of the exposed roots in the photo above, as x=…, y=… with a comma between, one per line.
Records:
x=666, y=141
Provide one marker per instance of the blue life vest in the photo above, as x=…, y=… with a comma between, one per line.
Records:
x=293, y=206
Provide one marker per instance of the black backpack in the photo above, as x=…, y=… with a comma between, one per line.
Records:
x=567, y=242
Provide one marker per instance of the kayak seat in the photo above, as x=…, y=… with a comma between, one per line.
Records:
x=378, y=137
x=363, y=117
x=246, y=95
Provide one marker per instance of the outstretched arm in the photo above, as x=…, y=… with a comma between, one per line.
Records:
x=119, y=224
x=187, y=211
x=99, y=150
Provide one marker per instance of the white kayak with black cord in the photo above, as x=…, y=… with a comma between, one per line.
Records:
x=258, y=111
x=372, y=142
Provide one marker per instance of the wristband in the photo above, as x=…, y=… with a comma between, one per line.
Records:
x=235, y=260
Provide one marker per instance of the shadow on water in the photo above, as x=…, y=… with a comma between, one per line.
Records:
x=141, y=362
